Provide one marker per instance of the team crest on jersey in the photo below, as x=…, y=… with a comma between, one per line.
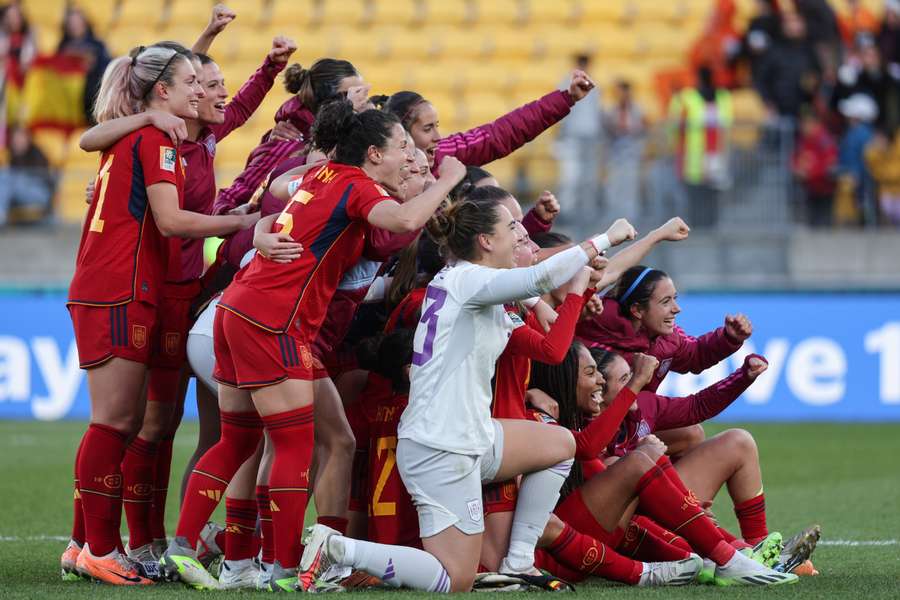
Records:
x=643, y=429
x=475, y=509
x=515, y=318
x=663, y=367
x=139, y=336
x=210, y=144
x=171, y=342
x=306, y=356
x=167, y=158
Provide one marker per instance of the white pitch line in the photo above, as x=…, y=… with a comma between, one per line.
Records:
x=65, y=538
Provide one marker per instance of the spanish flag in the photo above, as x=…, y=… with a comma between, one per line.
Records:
x=54, y=88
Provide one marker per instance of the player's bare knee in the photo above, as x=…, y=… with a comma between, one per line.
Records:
x=563, y=444
x=461, y=581
x=693, y=436
x=552, y=530
x=740, y=442
x=637, y=463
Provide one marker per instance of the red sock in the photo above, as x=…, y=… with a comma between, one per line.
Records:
x=547, y=562
x=137, y=490
x=681, y=514
x=100, y=482
x=662, y=533
x=339, y=524
x=644, y=544
x=161, y=488
x=264, y=507
x=751, y=515
x=240, y=527
x=736, y=543
x=241, y=433
x=78, y=511
x=291, y=434
x=590, y=557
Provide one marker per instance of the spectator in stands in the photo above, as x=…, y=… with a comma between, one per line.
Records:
x=813, y=163
x=28, y=182
x=719, y=45
x=17, y=50
x=78, y=39
x=702, y=117
x=578, y=150
x=822, y=33
x=889, y=36
x=861, y=111
x=790, y=73
x=864, y=73
x=763, y=30
x=883, y=160
x=856, y=20
x=624, y=125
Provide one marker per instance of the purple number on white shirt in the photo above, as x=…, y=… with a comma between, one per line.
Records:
x=429, y=317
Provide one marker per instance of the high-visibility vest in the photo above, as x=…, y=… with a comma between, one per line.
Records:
x=688, y=114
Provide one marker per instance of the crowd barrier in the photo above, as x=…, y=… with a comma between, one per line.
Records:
x=832, y=357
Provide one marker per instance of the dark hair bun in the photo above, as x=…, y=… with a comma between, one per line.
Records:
x=334, y=122
x=294, y=77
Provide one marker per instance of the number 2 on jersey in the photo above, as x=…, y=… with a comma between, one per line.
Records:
x=387, y=446
x=429, y=318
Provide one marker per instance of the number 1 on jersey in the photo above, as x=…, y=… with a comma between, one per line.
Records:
x=102, y=181
x=429, y=318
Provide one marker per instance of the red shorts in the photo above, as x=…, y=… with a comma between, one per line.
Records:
x=102, y=332
x=250, y=357
x=170, y=351
x=575, y=512
x=500, y=496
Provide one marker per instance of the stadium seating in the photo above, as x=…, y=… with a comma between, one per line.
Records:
x=475, y=59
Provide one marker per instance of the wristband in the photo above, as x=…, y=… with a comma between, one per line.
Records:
x=600, y=243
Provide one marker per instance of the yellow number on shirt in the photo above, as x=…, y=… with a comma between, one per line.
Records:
x=388, y=446
x=286, y=219
x=102, y=181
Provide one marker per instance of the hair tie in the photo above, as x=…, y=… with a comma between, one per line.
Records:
x=634, y=285
x=136, y=54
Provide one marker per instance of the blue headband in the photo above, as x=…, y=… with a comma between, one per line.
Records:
x=634, y=285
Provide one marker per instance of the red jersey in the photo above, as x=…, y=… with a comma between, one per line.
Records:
x=392, y=515
x=122, y=256
x=513, y=370
x=327, y=215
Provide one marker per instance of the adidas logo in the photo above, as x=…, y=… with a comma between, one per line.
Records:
x=212, y=494
x=273, y=507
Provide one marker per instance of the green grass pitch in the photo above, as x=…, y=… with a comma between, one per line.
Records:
x=845, y=477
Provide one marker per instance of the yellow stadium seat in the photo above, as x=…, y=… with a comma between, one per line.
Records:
x=194, y=13
x=448, y=12
x=617, y=43
x=121, y=40
x=540, y=78
x=46, y=15
x=409, y=44
x=436, y=78
x=543, y=173
x=346, y=13
x=510, y=43
x=387, y=78
x=294, y=15
x=53, y=144
x=460, y=43
x=483, y=107
x=496, y=13
x=140, y=13
x=603, y=11
x=543, y=13
x=393, y=13
x=504, y=171
x=564, y=42
x=245, y=8
x=70, y=201
x=99, y=13
x=491, y=76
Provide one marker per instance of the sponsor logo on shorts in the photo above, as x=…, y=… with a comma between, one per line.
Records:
x=139, y=336
x=171, y=342
x=113, y=482
x=475, y=510
x=167, y=157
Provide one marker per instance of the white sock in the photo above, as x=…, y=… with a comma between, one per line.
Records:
x=537, y=497
x=397, y=566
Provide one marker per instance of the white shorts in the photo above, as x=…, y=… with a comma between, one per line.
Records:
x=202, y=359
x=445, y=486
